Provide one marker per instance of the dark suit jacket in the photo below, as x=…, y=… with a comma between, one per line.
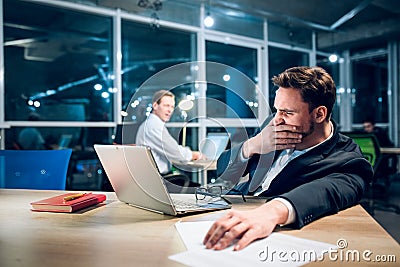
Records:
x=326, y=179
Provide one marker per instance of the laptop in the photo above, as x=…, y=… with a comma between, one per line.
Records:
x=136, y=181
x=214, y=145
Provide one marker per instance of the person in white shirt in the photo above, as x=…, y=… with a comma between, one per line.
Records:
x=153, y=133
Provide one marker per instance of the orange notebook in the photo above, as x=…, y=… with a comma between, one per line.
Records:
x=68, y=202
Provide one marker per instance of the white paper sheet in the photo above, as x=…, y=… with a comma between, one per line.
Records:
x=275, y=250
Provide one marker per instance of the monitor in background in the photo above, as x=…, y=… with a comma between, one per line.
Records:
x=65, y=141
x=214, y=145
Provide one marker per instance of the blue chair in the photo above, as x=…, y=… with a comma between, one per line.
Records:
x=34, y=169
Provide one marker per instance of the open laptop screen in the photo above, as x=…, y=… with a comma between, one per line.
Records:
x=214, y=145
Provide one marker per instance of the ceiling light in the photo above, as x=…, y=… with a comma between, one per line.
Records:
x=186, y=104
x=226, y=77
x=333, y=58
x=208, y=21
x=98, y=87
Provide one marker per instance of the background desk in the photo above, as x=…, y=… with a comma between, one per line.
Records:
x=118, y=235
x=390, y=150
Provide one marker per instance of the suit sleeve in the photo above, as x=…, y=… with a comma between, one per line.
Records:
x=230, y=167
x=331, y=193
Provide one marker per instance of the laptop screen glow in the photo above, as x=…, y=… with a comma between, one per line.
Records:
x=214, y=145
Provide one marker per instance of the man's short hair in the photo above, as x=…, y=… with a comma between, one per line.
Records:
x=160, y=94
x=369, y=119
x=316, y=86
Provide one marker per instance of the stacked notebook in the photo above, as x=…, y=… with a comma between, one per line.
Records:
x=68, y=202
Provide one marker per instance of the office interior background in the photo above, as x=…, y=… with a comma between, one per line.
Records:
x=81, y=65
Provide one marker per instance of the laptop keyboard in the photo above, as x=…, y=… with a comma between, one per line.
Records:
x=184, y=205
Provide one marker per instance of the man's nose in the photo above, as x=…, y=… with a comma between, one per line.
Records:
x=278, y=120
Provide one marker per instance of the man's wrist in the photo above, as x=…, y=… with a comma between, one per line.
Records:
x=291, y=212
x=246, y=149
x=277, y=210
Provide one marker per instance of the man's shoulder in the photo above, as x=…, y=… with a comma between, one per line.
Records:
x=346, y=144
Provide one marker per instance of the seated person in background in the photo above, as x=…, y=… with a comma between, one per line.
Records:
x=381, y=134
x=153, y=133
x=388, y=163
x=30, y=138
x=298, y=160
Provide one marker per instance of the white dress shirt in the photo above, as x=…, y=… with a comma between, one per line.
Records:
x=153, y=133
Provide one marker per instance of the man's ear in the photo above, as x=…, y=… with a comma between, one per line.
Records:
x=320, y=114
x=154, y=105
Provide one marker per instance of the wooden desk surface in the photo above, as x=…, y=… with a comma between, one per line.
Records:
x=390, y=150
x=118, y=235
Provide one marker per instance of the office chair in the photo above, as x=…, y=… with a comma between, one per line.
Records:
x=372, y=152
x=34, y=169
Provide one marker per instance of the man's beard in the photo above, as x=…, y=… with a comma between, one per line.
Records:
x=310, y=130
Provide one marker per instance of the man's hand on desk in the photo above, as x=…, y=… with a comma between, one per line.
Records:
x=246, y=226
x=198, y=155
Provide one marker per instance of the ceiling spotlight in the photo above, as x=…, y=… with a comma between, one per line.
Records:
x=157, y=5
x=208, y=21
x=143, y=3
x=333, y=58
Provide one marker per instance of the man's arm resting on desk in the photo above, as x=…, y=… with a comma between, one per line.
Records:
x=246, y=226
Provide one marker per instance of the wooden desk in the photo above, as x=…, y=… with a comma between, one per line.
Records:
x=118, y=235
x=390, y=150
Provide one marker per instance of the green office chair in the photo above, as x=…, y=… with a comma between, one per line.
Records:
x=372, y=152
x=34, y=169
x=369, y=147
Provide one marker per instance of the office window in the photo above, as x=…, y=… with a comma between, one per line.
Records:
x=151, y=60
x=77, y=138
x=175, y=11
x=290, y=35
x=333, y=70
x=230, y=95
x=57, y=63
x=245, y=25
x=280, y=60
x=370, y=88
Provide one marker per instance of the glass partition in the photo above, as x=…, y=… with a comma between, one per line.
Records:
x=236, y=23
x=146, y=53
x=281, y=59
x=290, y=35
x=333, y=70
x=231, y=96
x=57, y=63
x=370, y=88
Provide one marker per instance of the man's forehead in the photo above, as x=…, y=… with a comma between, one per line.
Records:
x=167, y=98
x=288, y=99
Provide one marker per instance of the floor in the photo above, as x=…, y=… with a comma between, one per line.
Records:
x=387, y=207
